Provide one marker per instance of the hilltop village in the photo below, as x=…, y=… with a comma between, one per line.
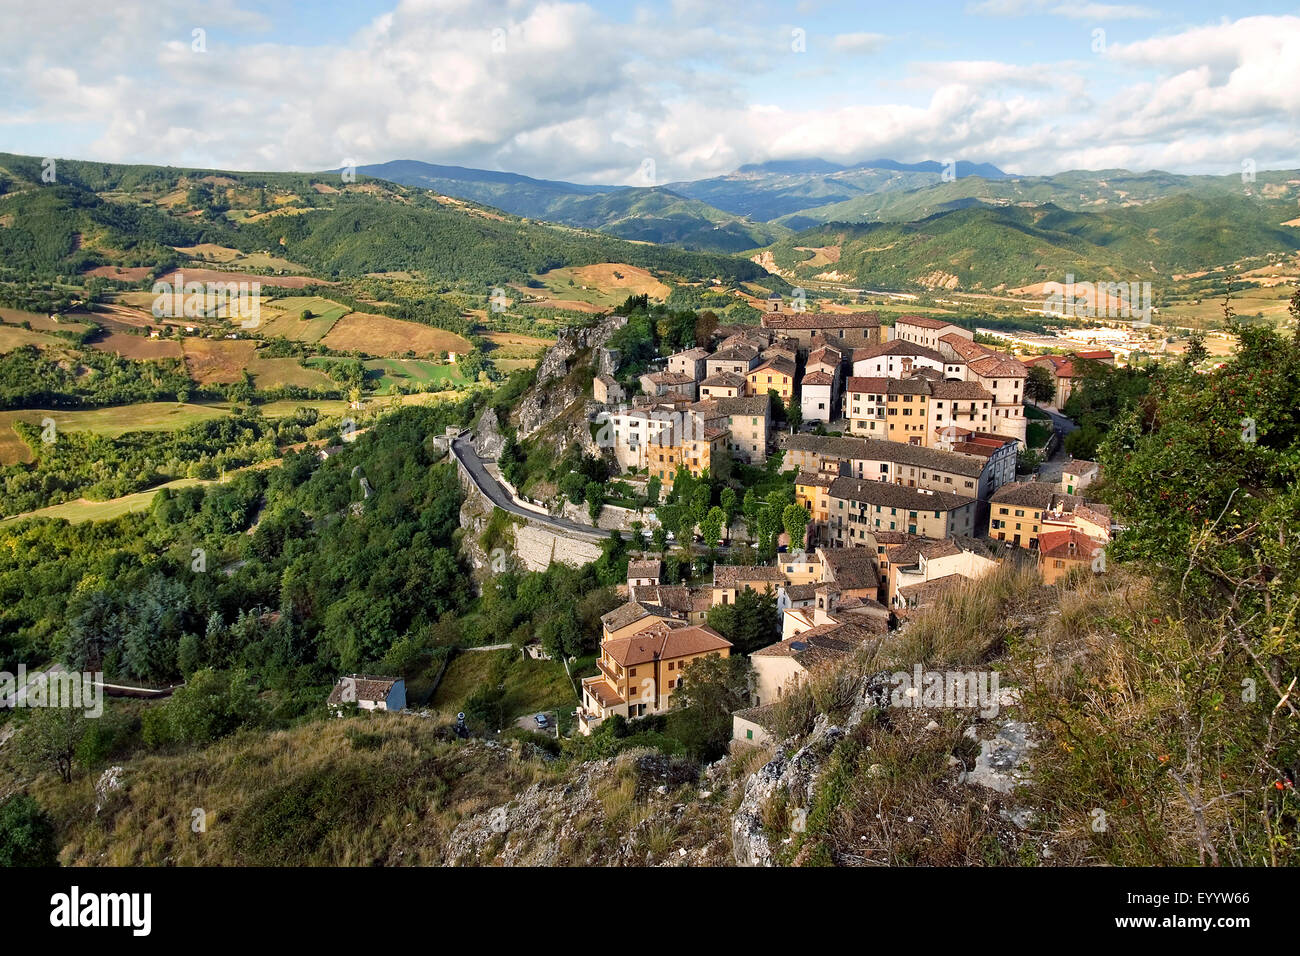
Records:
x=903, y=442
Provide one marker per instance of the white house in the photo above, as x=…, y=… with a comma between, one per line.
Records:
x=369, y=693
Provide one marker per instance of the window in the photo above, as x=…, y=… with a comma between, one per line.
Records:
x=632, y=672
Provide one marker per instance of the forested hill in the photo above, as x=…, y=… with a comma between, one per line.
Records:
x=98, y=214
x=985, y=247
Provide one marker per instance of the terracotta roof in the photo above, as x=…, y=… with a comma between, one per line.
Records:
x=880, y=449
x=780, y=365
x=662, y=641
x=878, y=385
x=819, y=378
x=670, y=378
x=927, y=591
x=740, y=352
x=826, y=355
x=1067, y=544
x=819, y=645
x=850, y=568
x=733, y=575
x=801, y=592
x=993, y=366
x=605, y=694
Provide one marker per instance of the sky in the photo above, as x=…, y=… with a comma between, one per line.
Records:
x=637, y=93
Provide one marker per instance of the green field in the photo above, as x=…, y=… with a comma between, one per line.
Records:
x=273, y=372
x=84, y=510
x=387, y=373
x=280, y=317
x=530, y=686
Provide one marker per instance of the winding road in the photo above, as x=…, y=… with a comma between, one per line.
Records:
x=463, y=451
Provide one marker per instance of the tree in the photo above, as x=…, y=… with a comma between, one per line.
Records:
x=52, y=736
x=711, y=526
x=653, y=488
x=794, y=414
x=1196, y=352
x=26, y=834
x=700, y=503
x=659, y=538
x=1039, y=384
x=728, y=501
x=595, y=495
x=711, y=690
x=750, y=623
x=795, y=521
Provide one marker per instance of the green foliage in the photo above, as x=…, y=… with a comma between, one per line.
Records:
x=750, y=623
x=26, y=834
x=713, y=688
x=210, y=706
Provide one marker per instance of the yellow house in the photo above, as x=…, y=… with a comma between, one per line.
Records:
x=730, y=579
x=774, y=375
x=811, y=492
x=639, y=673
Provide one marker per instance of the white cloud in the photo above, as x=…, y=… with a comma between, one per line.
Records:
x=574, y=94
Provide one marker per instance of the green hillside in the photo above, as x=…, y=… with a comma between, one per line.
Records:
x=983, y=247
x=103, y=213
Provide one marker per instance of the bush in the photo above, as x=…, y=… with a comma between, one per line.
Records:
x=26, y=834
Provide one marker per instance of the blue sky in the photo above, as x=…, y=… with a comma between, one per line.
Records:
x=603, y=91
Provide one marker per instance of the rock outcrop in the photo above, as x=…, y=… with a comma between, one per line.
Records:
x=488, y=440
x=555, y=391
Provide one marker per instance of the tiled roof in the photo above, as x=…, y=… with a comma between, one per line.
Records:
x=645, y=569
x=927, y=591
x=780, y=365
x=880, y=449
x=826, y=355
x=370, y=689
x=993, y=366
x=724, y=380
x=821, y=320
x=1033, y=494
x=850, y=568
x=764, y=716
x=819, y=645
x=1066, y=544
x=896, y=347
x=627, y=614
x=664, y=641
x=921, y=322
x=817, y=479
x=754, y=406
x=875, y=385
x=889, y=495
x=732, y=575
x=819, y=378
x=962, y=391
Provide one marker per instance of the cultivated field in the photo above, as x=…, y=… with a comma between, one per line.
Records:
x=275, y=372
x=218, y=361
x=381, y=335
x=39, y=321
x=594, y=288
x=387, y=373
x=120, y=273
x=282, y=317
x=12, y=337
x=139, y=347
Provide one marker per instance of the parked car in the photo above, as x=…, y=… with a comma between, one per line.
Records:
x=542, y=721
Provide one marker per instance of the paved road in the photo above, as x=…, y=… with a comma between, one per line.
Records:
x=495, y=493
x=1050, y=470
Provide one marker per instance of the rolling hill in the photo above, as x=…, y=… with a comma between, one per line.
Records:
x=102, y=214
x=644, y=214
x=983, y=247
